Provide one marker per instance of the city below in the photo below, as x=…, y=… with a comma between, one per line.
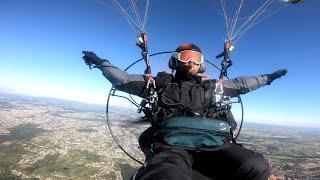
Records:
x=45, y=138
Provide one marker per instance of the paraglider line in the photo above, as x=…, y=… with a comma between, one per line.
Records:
x=124, y=13
x=252, y=23
x=136, y=12
x=146, y=15
x=225, y=17
x=261, y=8
x=235, y=18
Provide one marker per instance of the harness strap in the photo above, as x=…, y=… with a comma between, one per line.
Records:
x=152, y=97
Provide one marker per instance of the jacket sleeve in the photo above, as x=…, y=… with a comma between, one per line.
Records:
x=131, y=83
x=245, y=84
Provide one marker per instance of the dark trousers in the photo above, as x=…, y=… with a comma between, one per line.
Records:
x=232, y=162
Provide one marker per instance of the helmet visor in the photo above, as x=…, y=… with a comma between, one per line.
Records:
x=189, y=56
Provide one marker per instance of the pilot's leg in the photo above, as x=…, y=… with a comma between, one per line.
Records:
x=168, y=164
x=233, y=162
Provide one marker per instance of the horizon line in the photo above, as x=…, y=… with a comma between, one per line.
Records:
x=267, y=122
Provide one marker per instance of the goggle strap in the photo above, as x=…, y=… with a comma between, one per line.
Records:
x=175, y=55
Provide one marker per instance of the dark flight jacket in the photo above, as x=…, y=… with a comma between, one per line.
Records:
x=181, y=95
x=189, y=92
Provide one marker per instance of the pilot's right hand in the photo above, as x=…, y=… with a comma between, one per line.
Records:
x=91, y=58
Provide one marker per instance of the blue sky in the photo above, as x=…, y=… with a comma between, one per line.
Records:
x=41, y=43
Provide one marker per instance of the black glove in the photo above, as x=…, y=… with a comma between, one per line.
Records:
x=91, y=58
x=276, y=75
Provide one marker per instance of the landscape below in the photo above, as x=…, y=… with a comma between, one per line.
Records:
x=48, y=138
